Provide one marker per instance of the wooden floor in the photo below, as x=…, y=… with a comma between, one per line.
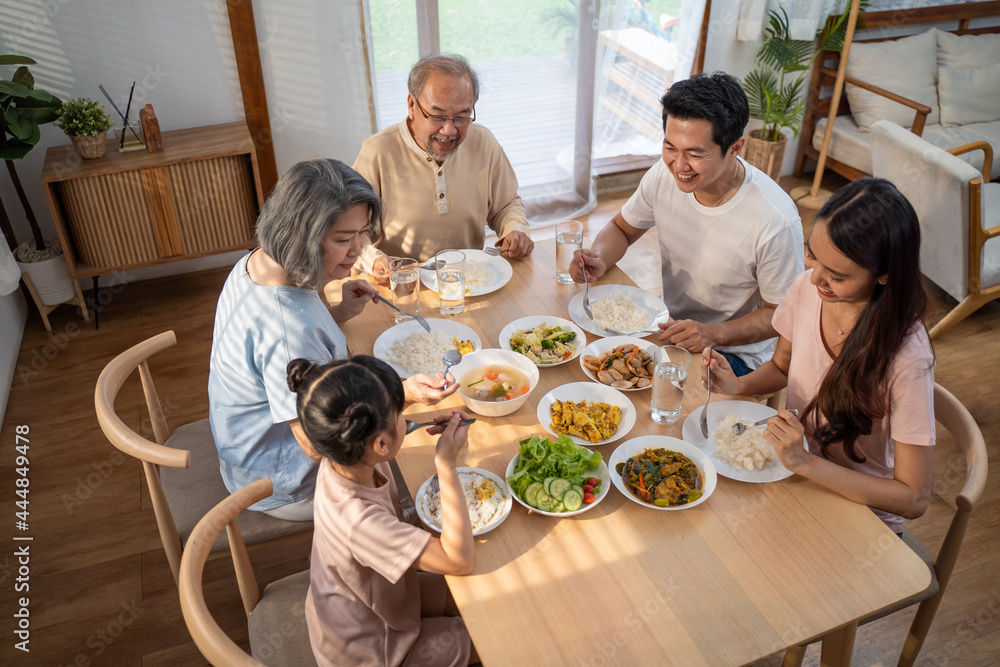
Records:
x=101, y=592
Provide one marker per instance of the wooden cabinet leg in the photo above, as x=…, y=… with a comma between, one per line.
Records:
x=42, y=308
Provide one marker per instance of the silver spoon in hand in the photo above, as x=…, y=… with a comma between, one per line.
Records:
x=451, y=357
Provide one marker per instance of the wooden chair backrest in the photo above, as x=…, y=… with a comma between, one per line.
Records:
x=957, y=420
x=211, y=640
x=122, y=436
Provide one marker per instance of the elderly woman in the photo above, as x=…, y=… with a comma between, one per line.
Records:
x=311, y=231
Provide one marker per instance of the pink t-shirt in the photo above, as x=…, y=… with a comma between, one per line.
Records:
x=363, y=606
x=909, y=416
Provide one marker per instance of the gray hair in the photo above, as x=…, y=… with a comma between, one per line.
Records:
x=450, y=64
x=301, y=209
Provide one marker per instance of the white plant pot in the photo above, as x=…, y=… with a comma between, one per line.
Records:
x=51, y=280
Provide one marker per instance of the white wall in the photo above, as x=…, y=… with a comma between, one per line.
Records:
x=180, y=53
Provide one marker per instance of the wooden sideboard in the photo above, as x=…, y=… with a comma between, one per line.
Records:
x=199, y=196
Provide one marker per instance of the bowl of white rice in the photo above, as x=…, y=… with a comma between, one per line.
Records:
x=750, y=451
x=619, y=313
x=486, y=497
x=411, y=350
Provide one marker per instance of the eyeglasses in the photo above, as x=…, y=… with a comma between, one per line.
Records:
x=457, y=121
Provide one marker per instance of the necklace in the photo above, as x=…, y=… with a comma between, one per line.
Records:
x=732, y=180
x=836, y=319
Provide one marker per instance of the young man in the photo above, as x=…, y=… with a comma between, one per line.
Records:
x=442, y=177
x=730, y=238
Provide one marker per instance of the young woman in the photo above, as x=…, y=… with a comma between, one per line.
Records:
x=855, y=357
x=367, y=602
x=311, y=231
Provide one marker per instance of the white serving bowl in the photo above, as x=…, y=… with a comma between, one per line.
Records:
x=480, y=359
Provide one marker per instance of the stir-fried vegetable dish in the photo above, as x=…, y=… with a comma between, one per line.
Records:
x=661, y=477
x=588, y=420
x=555, y=476
x=544, y=344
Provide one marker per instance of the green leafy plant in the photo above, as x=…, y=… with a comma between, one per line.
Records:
x=83, y=117
x=22, y=109
x=775, y=88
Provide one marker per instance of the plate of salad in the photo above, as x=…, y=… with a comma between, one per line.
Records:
x=557, y=478
x=546, y=340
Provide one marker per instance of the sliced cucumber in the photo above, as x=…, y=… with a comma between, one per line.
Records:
x=531, y=493
x=558, y=487
x=557, y=507
x=548, y=484
x=543, y=501
x=578, y=489
x=572, y=500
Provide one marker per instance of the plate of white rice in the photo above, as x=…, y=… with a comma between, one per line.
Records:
x=747, y=458
x=411, y=350
x=623, y=308
x=483, y=273
x=486, y=495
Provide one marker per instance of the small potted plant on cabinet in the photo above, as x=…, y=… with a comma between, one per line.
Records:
x=86, y=123
x=775, y=88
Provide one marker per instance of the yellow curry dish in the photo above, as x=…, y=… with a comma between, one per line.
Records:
x=590, y=421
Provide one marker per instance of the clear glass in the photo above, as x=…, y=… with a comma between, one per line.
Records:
x=404, y=280
x=451, y=281
x=669, y=375
x=133, y=139
x=569, y=239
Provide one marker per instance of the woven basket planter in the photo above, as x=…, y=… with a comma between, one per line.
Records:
x=765, y=155
x=91, y=146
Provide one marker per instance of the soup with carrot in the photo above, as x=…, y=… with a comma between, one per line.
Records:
x=495, y=383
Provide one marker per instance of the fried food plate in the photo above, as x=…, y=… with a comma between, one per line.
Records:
x=592, y=393
x=604, y=345
x=630, y=448
x=474, y=474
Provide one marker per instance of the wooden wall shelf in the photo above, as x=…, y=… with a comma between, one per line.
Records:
x=199, y=196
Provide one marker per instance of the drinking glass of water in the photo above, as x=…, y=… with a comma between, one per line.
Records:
x=569, y=239
x=669, y=374
x=451, y=281
x=405, y=283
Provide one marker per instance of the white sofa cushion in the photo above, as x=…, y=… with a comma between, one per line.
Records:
x=853, y=147
x=969, y=94
x=907, y=67
x=967, y=50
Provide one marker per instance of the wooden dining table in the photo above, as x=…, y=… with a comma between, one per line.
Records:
x=752, y=570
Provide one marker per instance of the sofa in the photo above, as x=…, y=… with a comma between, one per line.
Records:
x=943, y=86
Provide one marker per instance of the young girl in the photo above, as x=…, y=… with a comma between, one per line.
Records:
x=855, y=357
x=367, y=602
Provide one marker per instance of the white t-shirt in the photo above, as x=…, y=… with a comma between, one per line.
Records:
x=720, y=263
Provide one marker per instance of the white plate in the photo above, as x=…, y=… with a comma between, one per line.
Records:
x=656, y=310
x=475, y=474
x=533, y=321
x=748, y=411
x=448, y=327
x=599, y=347
x=632, y=447
x=502, y=271
x=593, y=393
x=600, y=473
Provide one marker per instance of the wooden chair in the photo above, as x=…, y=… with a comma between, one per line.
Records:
x=182, y=468
x=959, y=213
x=276, y=619
x=955, y=418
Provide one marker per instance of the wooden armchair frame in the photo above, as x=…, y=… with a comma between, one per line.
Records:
x=978, y=237
x=957, y=420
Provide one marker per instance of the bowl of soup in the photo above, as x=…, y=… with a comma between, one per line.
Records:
x=493, y=382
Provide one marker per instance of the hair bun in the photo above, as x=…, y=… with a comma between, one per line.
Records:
x=298, y=370
x=360, y=422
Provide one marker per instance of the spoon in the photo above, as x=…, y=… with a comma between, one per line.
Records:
x=451, y=357
x=708, y=383
x=412, y=426
x=493, y=251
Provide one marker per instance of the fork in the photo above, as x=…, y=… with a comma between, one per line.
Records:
x=586, y=297
x=739, y=428
x=493, y=251
x=708, y=383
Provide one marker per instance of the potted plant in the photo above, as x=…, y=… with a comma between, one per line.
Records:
x=775, y=89
x=23, y=108
x=86, y=123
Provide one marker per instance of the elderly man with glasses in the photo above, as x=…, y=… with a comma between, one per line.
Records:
x=443, y=178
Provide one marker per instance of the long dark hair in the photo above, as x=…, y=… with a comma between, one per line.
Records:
x=342, y=405
x=871, y=223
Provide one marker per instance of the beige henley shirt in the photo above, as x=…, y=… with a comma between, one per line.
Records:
x=431, y=207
